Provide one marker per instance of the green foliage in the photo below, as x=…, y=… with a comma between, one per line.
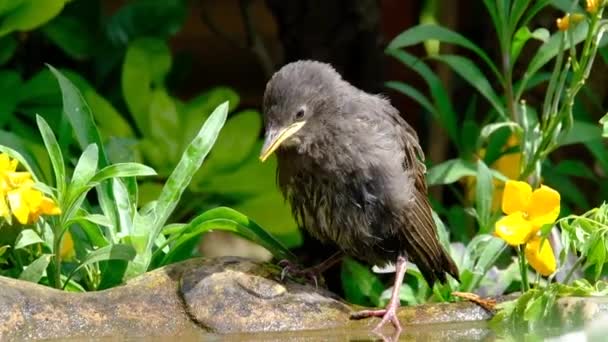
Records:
x=535, y=312
x=116, y=230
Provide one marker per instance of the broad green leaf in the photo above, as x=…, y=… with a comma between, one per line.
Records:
x=55, y=154
x=10, y=86
x=8, y=46
x=270, y=210
x=71, y=35
x=122, y=170
x=34, y=271
x=145, y=67
x=575, y=168
x=360, y=285
x=195, y=112
x=236, y=140
x=27, y=237
x=110, y=252
x=224, y=219
x=146, y=18
x=450, y=171
x=484, y=190
x=581, y=132
x=421, y=33
x=471, y=73
x=28, y=15
x=163, y=123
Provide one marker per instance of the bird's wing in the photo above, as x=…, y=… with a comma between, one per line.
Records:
x=419, y=231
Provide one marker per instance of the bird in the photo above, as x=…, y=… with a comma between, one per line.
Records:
x=353, y=172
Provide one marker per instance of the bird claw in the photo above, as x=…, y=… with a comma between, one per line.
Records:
x=289, y=269
x=388, y=315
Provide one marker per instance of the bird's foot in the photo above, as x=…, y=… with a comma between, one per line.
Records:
x=293, y=270
x=388, y=315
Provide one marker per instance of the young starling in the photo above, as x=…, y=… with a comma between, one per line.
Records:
x=349, y=165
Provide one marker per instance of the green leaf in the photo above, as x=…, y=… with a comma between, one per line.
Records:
x=55, y=154
x=22, y=160
x=110, y=252
x=8, y=46
x=448, y=119
x=27, y=237
x=191, y=161
x=163, y=123
x=581, y=132
x=122, y=170
x=493, y=127
x=224, y=219
x=415, y=95
x=109, y=121
x=522, y=36
x=360, y=285
x=28, y=15
x=236, y=140
x=79, y=115
x=471, y=73
x=547, y=51
x=145, y=67
x=84, y=170
x=421, y=33
x=450, y=171
x=34, y=271
x=146, y=18
x=71, y=35
x=484, y=190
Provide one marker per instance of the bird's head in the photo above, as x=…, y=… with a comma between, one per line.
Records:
x=297, y=100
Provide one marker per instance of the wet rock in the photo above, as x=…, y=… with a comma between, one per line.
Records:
x=207, y=296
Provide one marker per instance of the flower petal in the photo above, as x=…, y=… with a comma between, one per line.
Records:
x=544, y=206
x=540, y=256
x=516, y=197
x=18, y=205
x=514, y=229
x=48, y=207
x=4, y=211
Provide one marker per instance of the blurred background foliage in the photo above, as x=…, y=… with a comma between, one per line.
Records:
x=152, y=72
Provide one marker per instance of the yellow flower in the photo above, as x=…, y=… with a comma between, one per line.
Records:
x=540, y=256
x=593, y=5
x=508, y=164
x=18, y=196
x=66, y=248
x=563, y=23
x=527, y=211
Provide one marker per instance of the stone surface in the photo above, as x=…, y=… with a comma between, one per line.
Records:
x=204, y=297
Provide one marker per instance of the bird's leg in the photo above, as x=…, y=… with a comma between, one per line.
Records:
x=390, y=312
x=311, y=273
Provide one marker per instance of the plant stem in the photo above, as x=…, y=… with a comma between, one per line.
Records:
x=570, y=273
x=523, y=269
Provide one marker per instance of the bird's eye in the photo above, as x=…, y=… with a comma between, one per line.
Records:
x=300, y=113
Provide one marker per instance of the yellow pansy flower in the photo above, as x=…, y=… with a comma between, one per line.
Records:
x=18, y=196
x=593, y=5
x=540, y=256
x=527, y=211
x=563, y=23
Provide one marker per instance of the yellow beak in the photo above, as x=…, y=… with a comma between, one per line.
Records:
x=274, y=138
